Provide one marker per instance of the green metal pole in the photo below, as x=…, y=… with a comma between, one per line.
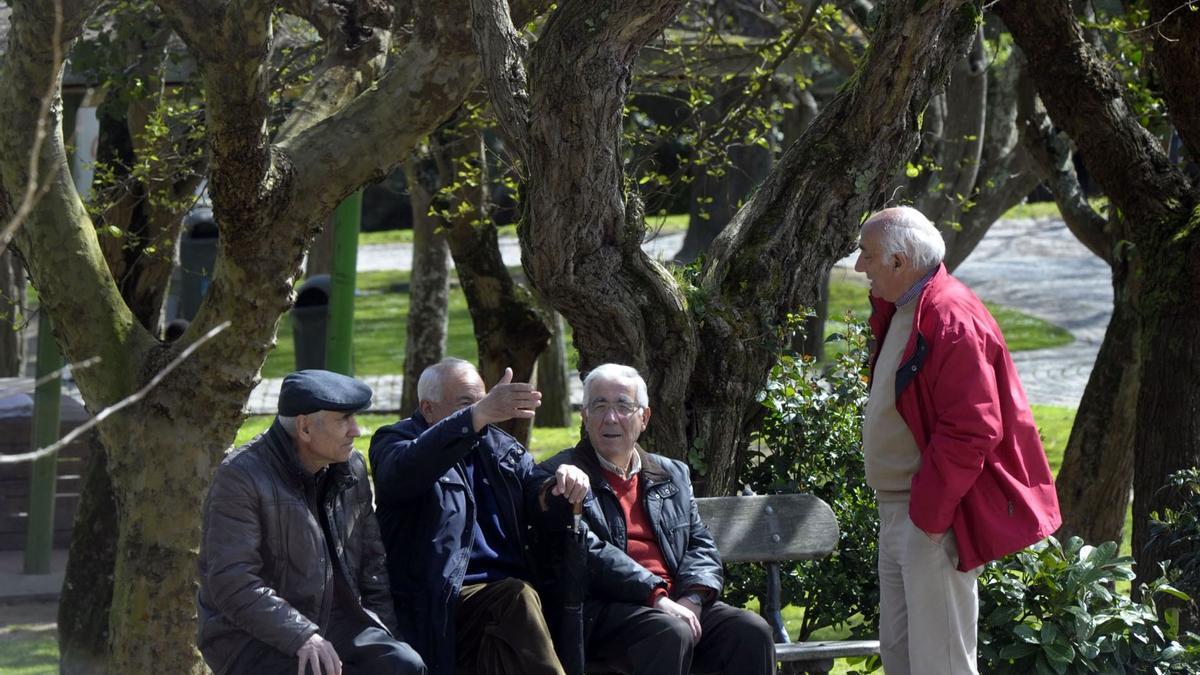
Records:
x=40, y=536
x=339, y=340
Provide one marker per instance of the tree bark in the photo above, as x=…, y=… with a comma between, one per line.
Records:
x=581, y=241
x=161, y=450
x=429, y=288
x=1162, y=240
x=87, y=585
x=510, y=329
x=553, y=379
x=12, y=318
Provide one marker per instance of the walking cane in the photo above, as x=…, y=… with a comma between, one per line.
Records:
x=574, y=585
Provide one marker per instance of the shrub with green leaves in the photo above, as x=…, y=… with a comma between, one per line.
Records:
x=1176, y=531
x=810, y=441
x=1051, y=609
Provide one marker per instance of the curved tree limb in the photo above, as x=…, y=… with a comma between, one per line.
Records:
x=1176, y=27
x=502, y=52
x=1128, y=161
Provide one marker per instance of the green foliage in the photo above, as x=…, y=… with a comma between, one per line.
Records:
x=1051, y=609
x=809, y=441
x=1177, y=530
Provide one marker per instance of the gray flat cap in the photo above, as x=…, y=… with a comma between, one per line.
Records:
x=306, y=391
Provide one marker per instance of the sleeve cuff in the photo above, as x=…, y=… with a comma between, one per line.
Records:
x=658, y=592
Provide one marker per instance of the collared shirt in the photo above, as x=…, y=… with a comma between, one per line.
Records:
x=912, y=293
x=635, y=465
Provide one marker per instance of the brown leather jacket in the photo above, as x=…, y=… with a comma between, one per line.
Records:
x=265, y=566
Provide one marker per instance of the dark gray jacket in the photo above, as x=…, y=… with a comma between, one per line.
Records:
x=688, y=548
x=264, y=561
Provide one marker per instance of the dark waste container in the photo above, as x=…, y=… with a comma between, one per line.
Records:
x=310, y=317
x=197, y=256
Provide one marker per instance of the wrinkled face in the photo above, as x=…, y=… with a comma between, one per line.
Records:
x=613, y=419
x=325, y=437
x=889, y=274
x=461, y=389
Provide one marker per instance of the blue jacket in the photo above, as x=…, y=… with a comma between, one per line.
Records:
x=426, y=512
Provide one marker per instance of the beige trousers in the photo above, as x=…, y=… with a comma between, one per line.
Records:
x=928, y=610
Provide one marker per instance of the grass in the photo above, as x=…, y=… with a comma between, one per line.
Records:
x=381, y=323
x=28, y=652
x=543, y=442
x=664, y=224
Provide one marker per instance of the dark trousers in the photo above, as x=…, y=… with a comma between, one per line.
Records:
x=369, y=651
x=501, y=631
x=645, y=641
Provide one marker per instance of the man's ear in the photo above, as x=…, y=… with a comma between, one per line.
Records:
x=426, y=409
x=303, y=426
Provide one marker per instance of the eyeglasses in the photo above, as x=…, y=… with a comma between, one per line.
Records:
x=621, y=408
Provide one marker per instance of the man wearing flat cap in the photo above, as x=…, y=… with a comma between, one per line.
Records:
x=292, y=570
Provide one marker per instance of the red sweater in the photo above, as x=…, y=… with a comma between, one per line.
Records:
x=640, y=541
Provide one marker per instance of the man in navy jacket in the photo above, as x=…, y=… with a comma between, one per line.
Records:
x=451, y=491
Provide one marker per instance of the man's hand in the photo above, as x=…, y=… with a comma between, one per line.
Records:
x=506, y=401
x=318, y=654
x=685, y=602
x=571, y=482
x=681, y=611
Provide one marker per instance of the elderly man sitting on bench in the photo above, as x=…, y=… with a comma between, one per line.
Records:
x=655, y=572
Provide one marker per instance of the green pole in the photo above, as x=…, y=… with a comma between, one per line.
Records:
x=40, y=535
x=339, y=340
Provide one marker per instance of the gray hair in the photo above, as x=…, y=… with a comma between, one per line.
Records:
x=288, y=424
x=906, y=231
x=615, y=371
x=429, y=387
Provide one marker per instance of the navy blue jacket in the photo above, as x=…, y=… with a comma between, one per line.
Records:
x=426, y=512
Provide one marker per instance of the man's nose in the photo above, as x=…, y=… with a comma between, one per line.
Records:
x=858, y=264
x=355, y=431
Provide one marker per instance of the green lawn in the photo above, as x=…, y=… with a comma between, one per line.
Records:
x=28, y=652
x=381, y=321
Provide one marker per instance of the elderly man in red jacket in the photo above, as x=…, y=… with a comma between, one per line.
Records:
x=951, y=448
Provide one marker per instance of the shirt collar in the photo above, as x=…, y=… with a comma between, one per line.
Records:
x=912, y=293
x=635, y=465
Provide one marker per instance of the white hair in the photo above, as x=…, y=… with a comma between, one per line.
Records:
x=906, y=231
x=429, y=387
x=615, y=371
x=288, y=424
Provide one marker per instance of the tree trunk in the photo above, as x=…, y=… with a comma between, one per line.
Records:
x=581, y=242
x=12, y=318
x=717, y=192
x=1162, y=242
x=510, y=329
x=320, y=254
x=1094, y=480
x=87, y=586
x=1167, y=436
x=429, y=288
x=553, y=379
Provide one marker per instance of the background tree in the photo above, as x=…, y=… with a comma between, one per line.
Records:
x=1156, y=208
x=706, y=342
x=357, y=119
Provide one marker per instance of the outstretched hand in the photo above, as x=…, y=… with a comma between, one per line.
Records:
x=507, y=400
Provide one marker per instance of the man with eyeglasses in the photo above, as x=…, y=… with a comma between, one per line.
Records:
x=451, y=490
x=655, y=574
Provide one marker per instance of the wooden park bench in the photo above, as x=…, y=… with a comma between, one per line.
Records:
x=772, y=529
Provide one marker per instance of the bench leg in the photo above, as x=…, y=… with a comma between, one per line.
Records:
x=807, y=667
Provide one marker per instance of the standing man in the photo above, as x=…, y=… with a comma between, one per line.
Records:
x=951, y=448
x=292, y=576
x=452, y=492
x=655, y=574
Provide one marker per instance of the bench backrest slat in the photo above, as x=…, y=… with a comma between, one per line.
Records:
x=770, y=528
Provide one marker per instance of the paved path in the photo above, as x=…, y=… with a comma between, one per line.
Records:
x=1035, y=266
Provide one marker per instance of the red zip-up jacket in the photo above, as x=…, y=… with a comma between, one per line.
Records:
x=983, y=471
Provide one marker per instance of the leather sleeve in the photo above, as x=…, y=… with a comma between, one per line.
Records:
x=232, y=567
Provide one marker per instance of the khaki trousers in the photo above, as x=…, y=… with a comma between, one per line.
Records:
x=928, y=610
x=501, y=631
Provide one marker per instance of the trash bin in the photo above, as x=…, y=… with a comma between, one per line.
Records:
x=197, y=256
x=310, y=317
